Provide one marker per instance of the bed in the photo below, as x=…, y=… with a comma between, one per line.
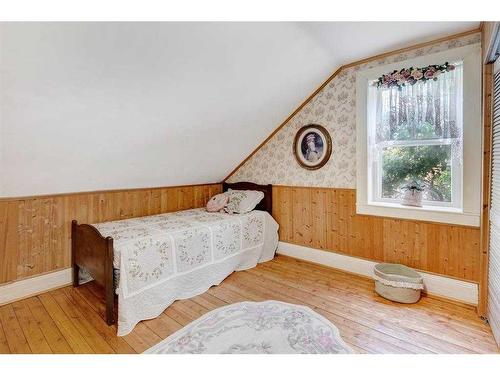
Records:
x=151, y=261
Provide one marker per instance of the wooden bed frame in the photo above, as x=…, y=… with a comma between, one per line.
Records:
x=92, y=251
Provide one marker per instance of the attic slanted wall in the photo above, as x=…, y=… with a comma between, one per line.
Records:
x=332, y=105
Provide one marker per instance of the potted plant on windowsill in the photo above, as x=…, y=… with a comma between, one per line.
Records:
x=412, y=194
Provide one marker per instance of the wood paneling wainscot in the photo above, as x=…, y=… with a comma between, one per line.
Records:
x=326, y=219
x=35, y=232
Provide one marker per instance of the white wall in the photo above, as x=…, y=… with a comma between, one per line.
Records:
x=90, y=106
x=100, y=106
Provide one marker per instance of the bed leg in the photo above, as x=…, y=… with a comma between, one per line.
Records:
x=110, y=306
x=109, y=283
x=76, y=273
x=76, y=269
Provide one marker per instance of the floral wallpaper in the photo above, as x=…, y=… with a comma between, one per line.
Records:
x=334, y=107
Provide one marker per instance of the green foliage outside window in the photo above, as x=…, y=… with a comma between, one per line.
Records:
x=429, y=165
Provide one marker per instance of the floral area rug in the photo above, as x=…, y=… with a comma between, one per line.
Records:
x=268, y=327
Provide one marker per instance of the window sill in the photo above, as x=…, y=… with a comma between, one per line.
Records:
x=436, y=214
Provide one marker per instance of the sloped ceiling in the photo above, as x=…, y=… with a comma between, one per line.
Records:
x=90, y=106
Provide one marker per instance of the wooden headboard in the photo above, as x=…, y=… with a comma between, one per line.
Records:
x=265, y=204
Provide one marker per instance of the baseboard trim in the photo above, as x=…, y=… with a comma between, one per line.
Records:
x=18, y=290
x=435, y=285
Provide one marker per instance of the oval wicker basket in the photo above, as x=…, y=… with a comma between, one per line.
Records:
x=398, y=283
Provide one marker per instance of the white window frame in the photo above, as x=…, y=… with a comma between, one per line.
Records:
x=466, y=210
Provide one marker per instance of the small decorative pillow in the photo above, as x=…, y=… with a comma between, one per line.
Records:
x=217, y=203
x=242, y=201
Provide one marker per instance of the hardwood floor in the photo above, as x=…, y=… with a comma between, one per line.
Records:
x=70, y=320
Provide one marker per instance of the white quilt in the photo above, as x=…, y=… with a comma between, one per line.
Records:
x=178, y=255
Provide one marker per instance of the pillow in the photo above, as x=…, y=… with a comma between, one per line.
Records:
x=217, y=203
x=242, y=201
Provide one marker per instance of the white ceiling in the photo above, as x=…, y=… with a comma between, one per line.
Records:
x=352, y=41
x=88, y=106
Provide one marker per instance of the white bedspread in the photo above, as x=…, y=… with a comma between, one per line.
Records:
x=178, y=255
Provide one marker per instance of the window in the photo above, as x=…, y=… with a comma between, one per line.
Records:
x=415, y=136
x=421, y=133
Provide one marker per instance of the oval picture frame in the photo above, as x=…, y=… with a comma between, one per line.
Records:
x=312, y=146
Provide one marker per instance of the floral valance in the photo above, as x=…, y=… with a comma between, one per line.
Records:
x=410, y=76
x=428, y=110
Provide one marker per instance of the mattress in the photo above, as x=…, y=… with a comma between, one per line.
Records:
x=178, y=255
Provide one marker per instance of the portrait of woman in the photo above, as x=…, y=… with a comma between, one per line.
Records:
x=312, y=146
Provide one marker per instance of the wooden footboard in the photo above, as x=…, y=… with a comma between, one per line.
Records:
x=92, y=251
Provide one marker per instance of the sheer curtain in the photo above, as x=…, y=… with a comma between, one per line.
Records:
x=429, y=110
x=418, y=137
